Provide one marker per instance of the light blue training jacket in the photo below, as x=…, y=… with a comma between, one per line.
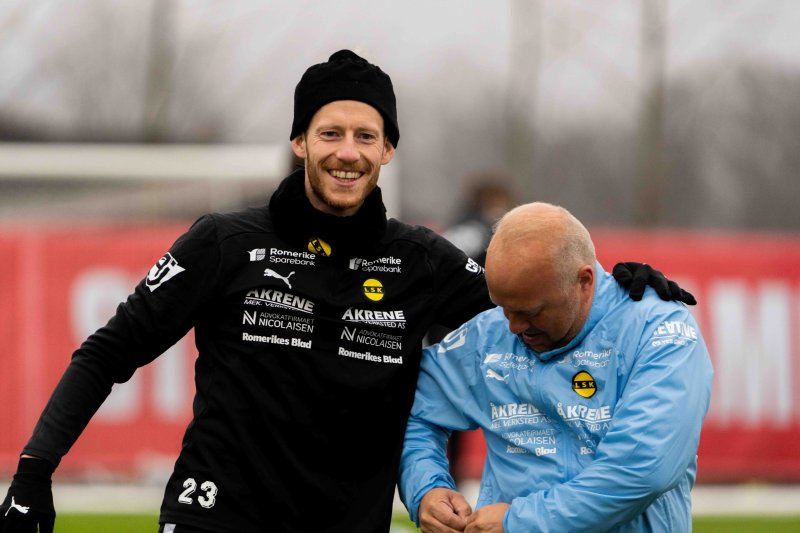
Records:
x=600, y=435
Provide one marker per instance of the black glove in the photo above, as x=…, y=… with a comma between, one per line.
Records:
x=636, y=276
x=29, y=502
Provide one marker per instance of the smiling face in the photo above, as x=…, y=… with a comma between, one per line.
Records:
x=343, y=148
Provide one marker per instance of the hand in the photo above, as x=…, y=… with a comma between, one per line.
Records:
x=636, y=276
x=28, y=506
x=488, y=519
x=443, y=511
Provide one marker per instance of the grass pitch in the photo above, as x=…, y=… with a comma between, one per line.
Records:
x=144, y=523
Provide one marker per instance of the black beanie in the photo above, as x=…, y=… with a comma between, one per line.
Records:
x=346, y=76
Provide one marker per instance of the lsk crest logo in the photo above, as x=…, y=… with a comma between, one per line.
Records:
x=319, y=247
x=373, y=289
x=583, y=384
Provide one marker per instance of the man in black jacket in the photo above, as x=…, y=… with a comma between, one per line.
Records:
x=309, y=314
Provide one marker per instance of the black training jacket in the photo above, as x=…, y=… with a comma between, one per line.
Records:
x=308, y=329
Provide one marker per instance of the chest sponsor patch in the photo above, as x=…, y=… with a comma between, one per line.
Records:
x=257, y=254
x=588, y=358
x=389, y=319
x=290, y=257
x=382, y=264
x=372, y=338
x=278, y=321
x=516, y=414
x=369, y=356
x=319, y=247
x=373, y=289
x=510, y=361
x=275, y=298
x=277, y=339
x=584, y=385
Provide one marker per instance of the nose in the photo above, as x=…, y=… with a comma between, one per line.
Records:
x=517, y=323
x=348, y=151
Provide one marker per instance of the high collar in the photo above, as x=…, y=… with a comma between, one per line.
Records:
x=299, y=223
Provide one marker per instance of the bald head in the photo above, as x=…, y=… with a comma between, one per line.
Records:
x=545, y=233
x=540, y=270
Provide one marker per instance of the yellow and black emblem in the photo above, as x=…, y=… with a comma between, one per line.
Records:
x=583, y=384
x=319, y=247
x=373, y=289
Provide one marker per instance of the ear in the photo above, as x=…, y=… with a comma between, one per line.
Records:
x=388, y=151
x=299, y=146
x=586, y=277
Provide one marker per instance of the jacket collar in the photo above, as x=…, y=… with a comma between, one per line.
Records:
x=307, y=228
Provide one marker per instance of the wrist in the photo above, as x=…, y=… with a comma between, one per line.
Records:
x=29, y=464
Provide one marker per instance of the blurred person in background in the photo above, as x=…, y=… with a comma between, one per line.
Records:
x=488, y=198
x=591, y=404
x=309, y=314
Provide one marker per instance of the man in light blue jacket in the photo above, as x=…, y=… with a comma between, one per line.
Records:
x=591, y=404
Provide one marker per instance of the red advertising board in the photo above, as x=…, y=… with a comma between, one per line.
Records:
x=59, y=285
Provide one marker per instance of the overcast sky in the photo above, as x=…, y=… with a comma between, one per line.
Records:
x=82, y=65
x=588, y=49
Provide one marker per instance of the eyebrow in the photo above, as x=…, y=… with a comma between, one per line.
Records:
x=334, y=125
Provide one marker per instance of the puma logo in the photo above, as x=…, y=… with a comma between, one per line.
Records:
x=494, y=375
x=272, y=274
x=20, y=508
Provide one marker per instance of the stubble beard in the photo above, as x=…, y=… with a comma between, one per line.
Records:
x=314, y=169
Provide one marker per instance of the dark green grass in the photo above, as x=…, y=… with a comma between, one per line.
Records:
x=142, y=523
x=106, y=523
x=138, y=523
x=746, y=524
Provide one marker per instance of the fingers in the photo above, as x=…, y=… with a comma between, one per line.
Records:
x=460, y=506
x=622, y=273
x=443, y=511
x=660, y=284
x=641, y=277
x=442, y=519
x=637, y=276
x=682, y=295
x=487, y=519
x=433, y=525
x=688, y=298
